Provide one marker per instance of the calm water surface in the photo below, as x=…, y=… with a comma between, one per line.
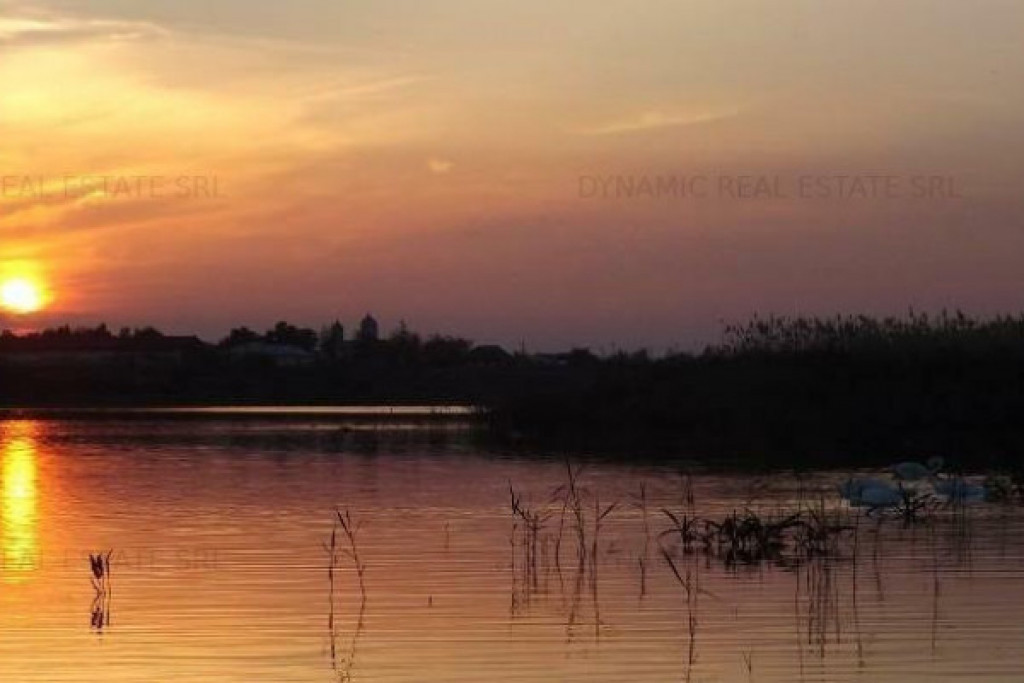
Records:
x=219, y=571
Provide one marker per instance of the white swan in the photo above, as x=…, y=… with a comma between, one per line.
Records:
x=913, y=471
x=868, y=492
x=960, y=490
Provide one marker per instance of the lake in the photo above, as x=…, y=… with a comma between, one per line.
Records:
x=219, y=570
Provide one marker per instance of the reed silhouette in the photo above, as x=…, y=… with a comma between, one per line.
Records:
x=100, y=612
x=343, y=543
x=540, y=550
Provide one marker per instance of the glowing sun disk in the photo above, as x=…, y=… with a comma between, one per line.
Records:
x=21, y=295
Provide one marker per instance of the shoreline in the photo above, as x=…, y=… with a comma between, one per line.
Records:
x=339, y=413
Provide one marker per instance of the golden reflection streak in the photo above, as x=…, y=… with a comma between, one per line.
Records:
x=18, y=501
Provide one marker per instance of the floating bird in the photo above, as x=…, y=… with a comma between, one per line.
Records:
x=960, y=490
x=874, y=493
x=998, y=487
x=913, y=471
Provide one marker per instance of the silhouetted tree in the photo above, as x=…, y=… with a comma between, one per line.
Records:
x=445, y=351
x=290, y=335
x=404, y=346
x=240, y=336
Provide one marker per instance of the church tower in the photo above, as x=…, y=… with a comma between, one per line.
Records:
x=368, y=329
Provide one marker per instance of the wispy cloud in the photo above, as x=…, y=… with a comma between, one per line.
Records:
x=656, y=119
x=33, y=29
x=440, y=166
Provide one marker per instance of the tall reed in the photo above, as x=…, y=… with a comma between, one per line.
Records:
x=100, y=612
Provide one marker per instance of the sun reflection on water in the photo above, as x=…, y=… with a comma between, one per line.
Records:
x=18, y=508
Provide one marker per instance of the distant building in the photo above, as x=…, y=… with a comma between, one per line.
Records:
x=489, y=354
x=576, y=357
x=279, y=355
x=551, y=359
x=332, y=340
x=369, y=330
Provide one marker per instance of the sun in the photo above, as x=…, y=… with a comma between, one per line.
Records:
x=21, y=295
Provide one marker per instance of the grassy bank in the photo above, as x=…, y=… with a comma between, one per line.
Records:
x=814, y=390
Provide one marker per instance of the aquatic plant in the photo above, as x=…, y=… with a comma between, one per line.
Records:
x=685, y=528
x=571, y=496
x=822, y=602
x=533, y=525
x=749, y=538
x=350, y=529
x=819, y=531
x=640, y=503
x=600, y=514
x=100, y=611
x=689, y=579
x=331, y=549
x=947, y=330
x=344, y=663
x=914, y=505
x=582, y=517
x=99, y=564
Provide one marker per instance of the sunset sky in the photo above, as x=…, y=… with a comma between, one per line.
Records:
x=429, y=160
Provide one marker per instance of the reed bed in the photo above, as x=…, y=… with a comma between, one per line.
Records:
x=818, y=527
x=815, y=535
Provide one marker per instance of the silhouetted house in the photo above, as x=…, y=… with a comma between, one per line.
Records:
x=549, y=359
x=576, y=357
x=369, y=330
x=332, y=340
x=489, y=354
x=278, y=355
